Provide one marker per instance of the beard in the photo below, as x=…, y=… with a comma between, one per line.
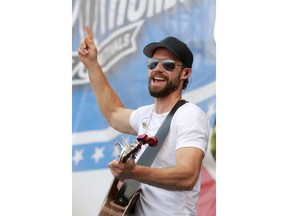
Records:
x=170, y=87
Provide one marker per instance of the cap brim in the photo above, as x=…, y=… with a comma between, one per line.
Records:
x=150, y=48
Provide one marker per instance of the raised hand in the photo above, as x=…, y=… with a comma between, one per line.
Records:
x=87, y=50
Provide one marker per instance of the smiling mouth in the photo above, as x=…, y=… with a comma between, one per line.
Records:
x=158, y=79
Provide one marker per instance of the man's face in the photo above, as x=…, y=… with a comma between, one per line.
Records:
x=161, y=81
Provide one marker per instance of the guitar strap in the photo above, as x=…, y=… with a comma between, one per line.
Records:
x=130, y=186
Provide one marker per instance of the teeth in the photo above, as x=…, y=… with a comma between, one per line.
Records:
x=158, y=78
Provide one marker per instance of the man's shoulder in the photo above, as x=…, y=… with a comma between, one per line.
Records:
x=145, y=108
x=191, y=111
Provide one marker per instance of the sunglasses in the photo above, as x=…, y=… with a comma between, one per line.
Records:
x=167, y=64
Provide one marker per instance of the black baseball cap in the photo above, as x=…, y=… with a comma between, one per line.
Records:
x=177, y=47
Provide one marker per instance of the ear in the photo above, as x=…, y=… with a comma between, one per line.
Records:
x=187, y=72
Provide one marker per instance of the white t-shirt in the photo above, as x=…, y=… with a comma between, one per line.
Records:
x=189, y=128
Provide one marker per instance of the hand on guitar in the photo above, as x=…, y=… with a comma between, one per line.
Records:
x=125, y=167
x=122, y=171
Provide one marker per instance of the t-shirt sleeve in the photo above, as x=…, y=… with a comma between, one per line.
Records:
x=138, y=115
x=133, y=120
x=192, y=127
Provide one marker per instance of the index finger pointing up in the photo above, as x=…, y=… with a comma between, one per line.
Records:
x=89, y=33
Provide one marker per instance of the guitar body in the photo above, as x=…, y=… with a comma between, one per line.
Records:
x=111, y=208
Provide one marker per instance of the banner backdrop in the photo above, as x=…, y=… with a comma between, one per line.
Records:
x=121, y=29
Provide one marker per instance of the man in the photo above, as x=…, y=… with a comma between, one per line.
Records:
x=171, y=185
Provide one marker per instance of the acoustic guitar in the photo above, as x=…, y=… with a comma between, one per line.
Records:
x=122, y=196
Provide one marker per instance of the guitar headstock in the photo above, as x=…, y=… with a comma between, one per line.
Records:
x=129, y=151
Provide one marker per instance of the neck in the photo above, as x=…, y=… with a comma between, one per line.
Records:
x=165, y=104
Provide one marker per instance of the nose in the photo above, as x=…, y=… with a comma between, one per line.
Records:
x=159, y=66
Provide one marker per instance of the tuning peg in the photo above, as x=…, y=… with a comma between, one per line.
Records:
x=151, y=141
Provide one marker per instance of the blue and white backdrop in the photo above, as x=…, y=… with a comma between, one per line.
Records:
x=121, y=29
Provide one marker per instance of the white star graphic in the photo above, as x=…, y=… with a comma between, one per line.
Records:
x=98, y=154
x=211, y=110
x=77, y=156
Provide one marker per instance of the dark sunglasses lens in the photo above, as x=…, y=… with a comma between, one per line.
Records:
x=169, y=65
x=152, y=64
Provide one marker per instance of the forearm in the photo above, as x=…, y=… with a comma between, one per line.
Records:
x=109, y=102
x=106, y=97
x=182, y=176
x=173, y=178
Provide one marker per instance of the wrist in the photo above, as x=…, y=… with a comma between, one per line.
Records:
x=138, y=172
x=93, y=66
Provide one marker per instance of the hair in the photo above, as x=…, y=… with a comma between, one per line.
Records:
x=185, y=84
x=186, y=81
